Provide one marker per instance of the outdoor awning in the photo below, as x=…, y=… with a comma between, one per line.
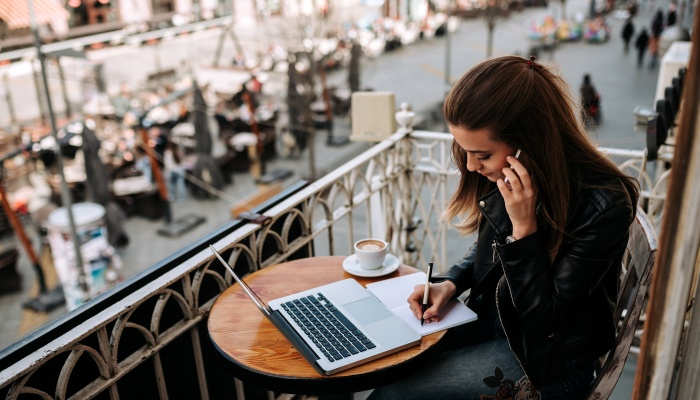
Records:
x=16, y=13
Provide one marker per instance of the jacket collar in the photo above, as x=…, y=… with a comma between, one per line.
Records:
x=493, y=208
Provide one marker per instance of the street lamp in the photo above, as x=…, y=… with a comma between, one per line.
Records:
x=65, y=194
x=448, y=45
x=493, y=9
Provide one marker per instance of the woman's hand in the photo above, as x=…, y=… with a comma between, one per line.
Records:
x=520, y=198
x=440, y=294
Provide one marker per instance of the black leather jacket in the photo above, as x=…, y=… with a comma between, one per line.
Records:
x=550, y=312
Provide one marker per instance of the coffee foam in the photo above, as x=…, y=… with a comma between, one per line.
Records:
x=370, y=245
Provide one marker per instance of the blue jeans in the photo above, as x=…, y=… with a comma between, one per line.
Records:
x=143, y=164
x=176, y=185
x=464, y=366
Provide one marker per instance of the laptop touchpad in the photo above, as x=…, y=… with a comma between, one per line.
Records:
x=367, y=310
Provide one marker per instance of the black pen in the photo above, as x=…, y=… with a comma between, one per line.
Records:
x=426, y=293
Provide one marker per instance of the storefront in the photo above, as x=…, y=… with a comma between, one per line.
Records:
x=15, y=16
x=89, y=12
x=162, y=6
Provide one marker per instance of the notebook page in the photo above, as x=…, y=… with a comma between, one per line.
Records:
x=458, y=314
x=394, y=292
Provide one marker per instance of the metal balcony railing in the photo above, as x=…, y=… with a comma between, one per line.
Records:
x=147, y=338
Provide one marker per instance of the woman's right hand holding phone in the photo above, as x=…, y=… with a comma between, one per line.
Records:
x=440, y=294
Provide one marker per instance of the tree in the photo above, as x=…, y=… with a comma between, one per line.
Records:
x=563, y=9
x=494, y=8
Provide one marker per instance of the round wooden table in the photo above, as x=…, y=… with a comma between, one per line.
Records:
x=260, y=354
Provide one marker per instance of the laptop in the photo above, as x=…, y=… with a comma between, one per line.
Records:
x=335, y=326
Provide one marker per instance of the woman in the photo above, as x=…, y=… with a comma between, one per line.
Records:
x=552, y=228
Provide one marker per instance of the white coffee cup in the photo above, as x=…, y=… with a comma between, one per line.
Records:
x=370, y=253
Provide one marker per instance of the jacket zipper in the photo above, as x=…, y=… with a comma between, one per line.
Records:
x=498, y=307
x=493, y=252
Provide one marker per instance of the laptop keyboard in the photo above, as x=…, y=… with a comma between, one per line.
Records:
x=327, y=327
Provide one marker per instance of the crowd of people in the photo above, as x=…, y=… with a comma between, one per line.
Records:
x=648, y=39
x=645, y=40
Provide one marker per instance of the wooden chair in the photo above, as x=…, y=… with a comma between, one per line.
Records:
x=636, y=278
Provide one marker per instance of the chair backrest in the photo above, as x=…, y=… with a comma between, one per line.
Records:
x=655, y=133
x=677, y=89
x=670, y=95
x=663, y=107
x=636, y=274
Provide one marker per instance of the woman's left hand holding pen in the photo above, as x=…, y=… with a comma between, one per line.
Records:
x=440, y=294
x=520, y=198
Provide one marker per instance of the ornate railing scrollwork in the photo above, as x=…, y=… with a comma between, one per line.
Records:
x=397, y=190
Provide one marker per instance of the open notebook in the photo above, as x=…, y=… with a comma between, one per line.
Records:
x=394, y=292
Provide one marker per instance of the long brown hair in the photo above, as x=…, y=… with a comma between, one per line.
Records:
x=528, y=107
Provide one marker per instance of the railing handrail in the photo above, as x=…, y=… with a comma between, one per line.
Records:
x=22, y=355
x=123, y=35
x=331, y=177
x=612, y=151
x=186, y=259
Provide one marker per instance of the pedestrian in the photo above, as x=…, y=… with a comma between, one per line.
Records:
x=552, y=228
x=142, y=163
x=174, y=171
x=657, y=24
x=354, y=67
x=671, y=16
x=161, y=143
x=627, y=33
x=653, y=51
x=590, y=101
x=642, y=43
x=657, y=27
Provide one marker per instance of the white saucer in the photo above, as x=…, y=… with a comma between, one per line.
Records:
x=352, y=266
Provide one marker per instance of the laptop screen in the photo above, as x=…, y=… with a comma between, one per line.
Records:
x=253, y=296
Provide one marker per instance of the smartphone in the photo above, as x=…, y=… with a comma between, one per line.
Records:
x=517, y=155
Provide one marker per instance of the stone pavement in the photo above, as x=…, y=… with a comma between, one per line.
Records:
x=414, y=74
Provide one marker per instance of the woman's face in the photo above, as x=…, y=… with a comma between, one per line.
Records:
x=484, y=155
